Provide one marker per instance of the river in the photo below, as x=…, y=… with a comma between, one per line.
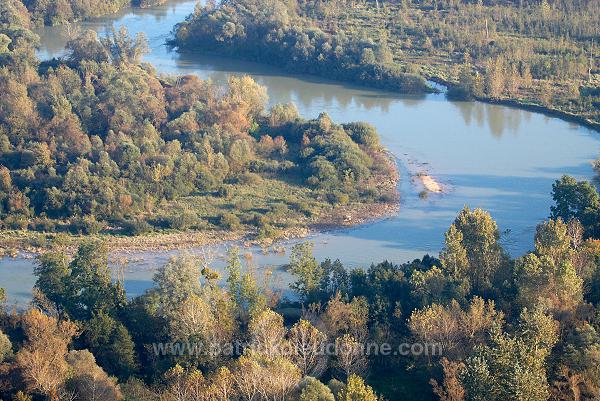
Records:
x=495, y=157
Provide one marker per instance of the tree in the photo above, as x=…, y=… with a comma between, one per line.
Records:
x=312, y=389
x=367, y=56
x=5, y=347
x=347, y=318
x=457, y=331
x=307, y=346
x=579, y=364
x=267, y=334
x=42, y=357
x=356, y=390
x=282, y=378
x=82, y=286
x=452, y=389
x=552, y=239
x=89, y=382
x=350, y=355
x=207, y=321
x=577, y=200
x=307, y=271
x=176, y=282
x=480, y=238
x=221, y=387
x=112, y=345
x=540, y=278
x=495, y=77
x=86, y=47
x=513, y=367
x=124, y=50
x=243, y=288
x=454, y=255
x=283, y=113
x=246, y=94
x=259, y=378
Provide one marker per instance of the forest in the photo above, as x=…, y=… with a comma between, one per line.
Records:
x=540, y=54
x=97, y=142
x=525, y=329
x=56, y=12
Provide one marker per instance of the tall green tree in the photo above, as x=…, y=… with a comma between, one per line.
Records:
x=577, y=200
x=513, y=367
x=472, y=250
x=82, y=286
x=309, y=274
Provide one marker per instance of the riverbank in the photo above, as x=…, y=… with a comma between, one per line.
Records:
x=15, y=242
x=338, y=50
x=32, y=243
x=43, y=14
x=527, y=105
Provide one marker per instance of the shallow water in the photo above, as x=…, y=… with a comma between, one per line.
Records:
x=495, y=157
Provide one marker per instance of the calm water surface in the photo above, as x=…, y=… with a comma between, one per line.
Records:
x=498, y=158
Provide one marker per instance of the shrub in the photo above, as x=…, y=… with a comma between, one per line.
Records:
x=244, y=204
x=182, y=221
x=136, y=227
x=43, y=224
x=250, y=179
x=229, y=221
x=338, y=198
x=363, y=134
x=225, y=191
x=87, y=225
x=16, y=222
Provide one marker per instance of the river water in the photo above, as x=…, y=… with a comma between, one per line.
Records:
x=499, y=158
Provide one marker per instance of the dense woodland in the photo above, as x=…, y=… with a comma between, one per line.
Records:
x=536, y=52
x=99, y=142
x=525, y=329
x=274, y=32
x=55, y=12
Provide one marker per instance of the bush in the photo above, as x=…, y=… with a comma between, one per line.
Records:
x=249, y=179
x=338, y=198
x=225, y=191
x=43, y=224
x=136, y=227
x=280, y=209
x=16, y=222
x=182, y=221
x=268, y=231
x=302, y=207
x=229, y=221
x=363, y=134
x=87, y=225
x=243, y=205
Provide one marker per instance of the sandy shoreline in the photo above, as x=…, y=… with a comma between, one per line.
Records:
x=430, y=184
x=32, y=243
